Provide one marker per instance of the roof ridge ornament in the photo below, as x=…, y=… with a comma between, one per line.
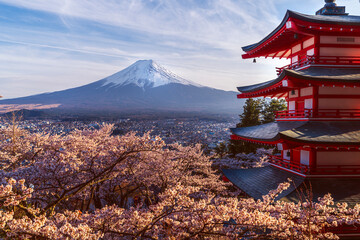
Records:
x=331, y=8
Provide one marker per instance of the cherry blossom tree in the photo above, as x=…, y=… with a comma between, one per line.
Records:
x=91, y=185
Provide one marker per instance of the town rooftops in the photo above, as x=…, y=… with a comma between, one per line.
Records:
x=303, y=132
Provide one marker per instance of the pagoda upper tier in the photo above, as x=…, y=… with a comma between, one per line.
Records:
x=320, y=77
x=301, y=34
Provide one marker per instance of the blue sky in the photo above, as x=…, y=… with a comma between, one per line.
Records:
x=49, y=45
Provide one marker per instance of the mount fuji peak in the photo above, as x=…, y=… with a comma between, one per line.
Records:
x=146, y=73
x=142, y=87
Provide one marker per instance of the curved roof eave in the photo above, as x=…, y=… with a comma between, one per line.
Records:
x=304, y=132
x=325, y=19
x=311, y=143
x=259, y=86
x=328, y=78
x=255, y=45
x=268, y=132
x=306, y=75
x=325, y=132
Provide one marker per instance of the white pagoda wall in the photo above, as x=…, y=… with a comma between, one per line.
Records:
x=309, y=103
x=304, y=157
x=342, y=52
x=309, y=42
x=286, y=154
x=337, y=102
x=338, y=158
x=306, y=95
x=340, y=40
x=339, y=90
x=303, y=48
x=291, y=106
x=338, y=50
x=308, y=91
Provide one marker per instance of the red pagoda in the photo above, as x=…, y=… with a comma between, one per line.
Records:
x=319, y=135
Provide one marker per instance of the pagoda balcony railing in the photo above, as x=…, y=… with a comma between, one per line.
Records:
x=320, y=113
x=298, y=167
x=315, y=170
x=320, y=60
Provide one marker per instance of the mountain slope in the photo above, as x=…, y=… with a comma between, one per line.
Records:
x=142, y=86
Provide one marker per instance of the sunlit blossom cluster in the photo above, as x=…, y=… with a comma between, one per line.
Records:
x=242, y=160
x=92, y=185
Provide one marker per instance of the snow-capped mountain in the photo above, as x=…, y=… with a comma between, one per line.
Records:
x=146, y=73
x=143, y=86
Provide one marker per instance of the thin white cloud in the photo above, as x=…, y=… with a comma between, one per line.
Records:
x=199, y=40
x=63, y=48
x=219, y=23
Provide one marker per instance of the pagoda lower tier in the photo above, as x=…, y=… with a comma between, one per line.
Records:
x=257, y=182
x=309, y=148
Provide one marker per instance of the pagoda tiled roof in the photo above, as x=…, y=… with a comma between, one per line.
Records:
x=341, y=189
x=266, y=132
x=344, y=132
x=326, y=74
x=324, y=19
x=324, y=132
x=255, y=87
x=328, y=19
x=257, y=182
x=321, y=74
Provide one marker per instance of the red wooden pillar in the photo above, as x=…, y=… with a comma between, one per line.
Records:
x=315, y=100
x=295, y=156
x=317, y=47
x=312, y=160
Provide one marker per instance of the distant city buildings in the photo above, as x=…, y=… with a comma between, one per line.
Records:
x=185, y=131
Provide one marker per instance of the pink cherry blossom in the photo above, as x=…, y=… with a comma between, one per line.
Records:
x=91, y=185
